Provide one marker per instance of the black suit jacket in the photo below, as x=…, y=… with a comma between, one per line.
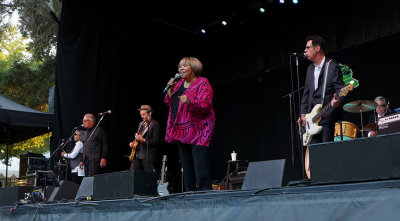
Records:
x=334, y=83
x=97, y=147
x=152, y=137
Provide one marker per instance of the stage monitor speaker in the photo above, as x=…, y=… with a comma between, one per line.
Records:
x=86, y=188
x=124, y=184
x=66, y=191
x=268, y=174
x=10, y=195
x=370, y=158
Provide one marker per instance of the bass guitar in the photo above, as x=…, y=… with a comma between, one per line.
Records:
x=314, y=117
x=162, y=188
x=136, y=142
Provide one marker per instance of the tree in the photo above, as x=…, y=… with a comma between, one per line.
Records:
x=27, y=67
x=37, y=24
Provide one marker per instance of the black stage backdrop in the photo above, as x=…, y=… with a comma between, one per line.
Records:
x=115, y=56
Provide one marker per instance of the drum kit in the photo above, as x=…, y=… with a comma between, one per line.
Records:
x=350, y=130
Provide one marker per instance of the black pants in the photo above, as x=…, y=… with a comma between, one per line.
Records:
x=91, y=167
x=195, y=164
x=142, y=164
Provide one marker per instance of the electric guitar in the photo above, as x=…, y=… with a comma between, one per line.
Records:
x=135, y=143
x=314, y=117
x=162, y=185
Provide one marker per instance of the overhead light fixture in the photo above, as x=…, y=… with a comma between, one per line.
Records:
x=203, y=31
x=224, y=23
x=262, y=10
x=281, y=1
x=295, y=1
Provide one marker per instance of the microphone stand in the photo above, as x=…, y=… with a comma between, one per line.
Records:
x=147, y=141
x=291, y=105
x=293, y=112
x=62, y=145
x=95, y=128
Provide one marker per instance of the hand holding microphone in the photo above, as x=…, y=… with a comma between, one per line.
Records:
x=172, y=82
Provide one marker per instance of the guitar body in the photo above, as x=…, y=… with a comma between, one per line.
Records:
x=133, y=150
x=312, y=121
x=311, y=127
x=162, y=189
x=136, y=142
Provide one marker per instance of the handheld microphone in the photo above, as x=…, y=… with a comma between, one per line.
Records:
x=300, y=55
x=104, y=113
x=176, y=78
x=78, y=127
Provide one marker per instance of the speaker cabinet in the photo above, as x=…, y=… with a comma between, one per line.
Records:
x=10, y=195
x=124, y=184
x=362, y=159
x=66, y=191
x=86, y=188
x=268, y=174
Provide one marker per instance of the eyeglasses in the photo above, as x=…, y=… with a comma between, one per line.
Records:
x=381, y=105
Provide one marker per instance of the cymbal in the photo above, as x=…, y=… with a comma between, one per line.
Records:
x=370, y=127
x=356, y=106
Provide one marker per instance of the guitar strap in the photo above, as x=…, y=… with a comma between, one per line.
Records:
x=325, y=77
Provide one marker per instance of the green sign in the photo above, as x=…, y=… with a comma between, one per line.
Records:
x=348, y=75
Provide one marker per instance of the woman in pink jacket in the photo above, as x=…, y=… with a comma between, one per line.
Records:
x=191, y=122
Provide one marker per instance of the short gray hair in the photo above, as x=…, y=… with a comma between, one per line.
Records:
x=91, y=117
x=380, y=98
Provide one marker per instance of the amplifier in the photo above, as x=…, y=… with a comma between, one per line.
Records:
x=389, y=124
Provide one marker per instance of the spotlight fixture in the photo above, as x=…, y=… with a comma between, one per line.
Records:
x=295, y=1
x=281, y=1
x=262, y=10
x=203, y=31
x=224, y=23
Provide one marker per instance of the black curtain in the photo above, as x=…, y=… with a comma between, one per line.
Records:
x=115, y=56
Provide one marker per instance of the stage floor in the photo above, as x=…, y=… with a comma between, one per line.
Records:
x=373, y=200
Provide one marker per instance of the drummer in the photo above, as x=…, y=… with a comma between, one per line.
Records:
x=380, y=111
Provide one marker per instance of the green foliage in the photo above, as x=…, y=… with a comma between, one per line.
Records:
x=39, y=144
x=27, y=62
x=28, y=83
x=36, y=23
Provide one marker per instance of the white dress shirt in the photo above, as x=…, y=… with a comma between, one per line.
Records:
x=78, y=148
x=317, y=72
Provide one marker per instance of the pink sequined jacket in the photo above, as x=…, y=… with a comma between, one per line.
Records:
x=195, y=122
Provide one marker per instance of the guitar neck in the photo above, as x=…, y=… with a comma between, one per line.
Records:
x=321, y=113
x=162, y=173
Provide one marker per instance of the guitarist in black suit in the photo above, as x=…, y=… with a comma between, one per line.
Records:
x=313, y=90
x=148, y=138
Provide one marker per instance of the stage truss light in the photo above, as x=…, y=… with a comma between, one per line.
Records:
x=224, y=23
x=281, y=1
x=203, y=31
x=262, y=10
x=295, y=1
